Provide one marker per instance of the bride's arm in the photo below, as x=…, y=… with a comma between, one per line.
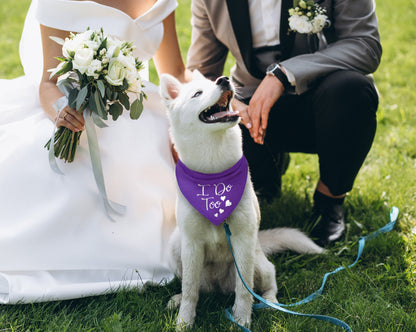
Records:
x=168, y=58
x=48, y=91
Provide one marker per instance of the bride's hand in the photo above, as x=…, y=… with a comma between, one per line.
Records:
x=70, y=119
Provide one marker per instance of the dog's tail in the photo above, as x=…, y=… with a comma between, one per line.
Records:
x=281, y=239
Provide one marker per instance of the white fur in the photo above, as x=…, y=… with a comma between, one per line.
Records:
x=199, y=252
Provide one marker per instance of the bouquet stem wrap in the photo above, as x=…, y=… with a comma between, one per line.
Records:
x=90, y=121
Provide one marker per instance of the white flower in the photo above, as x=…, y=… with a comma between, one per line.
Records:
x=92, y=44
x=307, y=17
x=113, y=46
x=129, y=64
x=300, y=24
x=70, y=47
x=82, y=59
x=116, y=73
x=319, y=23
x=94, y=68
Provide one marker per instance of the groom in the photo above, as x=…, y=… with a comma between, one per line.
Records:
x=297, y=92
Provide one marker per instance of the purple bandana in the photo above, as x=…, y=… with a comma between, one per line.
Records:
x=216, y=195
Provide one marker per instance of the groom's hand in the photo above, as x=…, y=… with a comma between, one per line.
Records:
x=265, y=96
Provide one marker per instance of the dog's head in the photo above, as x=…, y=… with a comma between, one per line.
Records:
x=200, y=104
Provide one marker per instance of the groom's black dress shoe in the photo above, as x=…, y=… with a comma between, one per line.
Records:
x=328, y=219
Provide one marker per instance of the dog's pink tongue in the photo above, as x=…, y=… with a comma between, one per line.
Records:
x=224, y=114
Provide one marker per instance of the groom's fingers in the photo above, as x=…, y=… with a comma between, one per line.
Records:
x=255, y=111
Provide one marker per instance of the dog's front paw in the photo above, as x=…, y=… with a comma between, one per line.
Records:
x=186, y=316
x=183, y=324
x=242, y=316
x=174, y=302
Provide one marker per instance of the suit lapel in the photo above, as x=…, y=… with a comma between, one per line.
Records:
x=287, y=37
x=240, y=21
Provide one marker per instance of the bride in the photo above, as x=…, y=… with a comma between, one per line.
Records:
x=56, y=240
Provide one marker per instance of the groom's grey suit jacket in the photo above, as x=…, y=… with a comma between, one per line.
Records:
x=220, y=26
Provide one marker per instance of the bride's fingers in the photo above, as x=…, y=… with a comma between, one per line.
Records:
x=70, y=119
x=245, y=117
x=78, y=118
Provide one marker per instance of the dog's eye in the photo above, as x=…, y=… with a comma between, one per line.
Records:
x=197, y=94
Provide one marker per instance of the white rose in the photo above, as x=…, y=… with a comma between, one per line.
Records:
x=128, y=61
x=113, y=46
x=83, y=59
x=94, y=68
x=93, y=44
x=319, y=23
x=116, y=73
x=300, y=24
x=71, y=46
x=134, y=80
x=129, y=65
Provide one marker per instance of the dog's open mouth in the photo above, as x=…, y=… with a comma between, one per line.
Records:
x=219, y=112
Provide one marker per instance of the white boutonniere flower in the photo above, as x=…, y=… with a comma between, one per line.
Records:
x=307, y=17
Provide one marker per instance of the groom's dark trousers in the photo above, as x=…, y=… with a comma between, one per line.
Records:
x=336, y=119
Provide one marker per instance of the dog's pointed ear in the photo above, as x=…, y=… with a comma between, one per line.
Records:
x=169, y=87
x=196, y=75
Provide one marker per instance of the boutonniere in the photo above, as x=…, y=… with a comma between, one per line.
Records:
x=307, y=17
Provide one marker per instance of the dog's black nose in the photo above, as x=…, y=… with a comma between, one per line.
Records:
x=223, y=81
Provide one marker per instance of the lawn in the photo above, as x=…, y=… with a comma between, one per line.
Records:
x=378, y=294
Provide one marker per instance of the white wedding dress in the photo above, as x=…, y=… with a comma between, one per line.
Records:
x=56, y=241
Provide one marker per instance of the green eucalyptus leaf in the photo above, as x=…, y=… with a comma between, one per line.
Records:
x=101, y=88
x=108, y=93
x=72, y=98
x=100, y=105
x=92, y=105
x=124, y=100
x=65, y=86
x=81, y=96
x=136, y=109
x=125, y=84
x=115, y=110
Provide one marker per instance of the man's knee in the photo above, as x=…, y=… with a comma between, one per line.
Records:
x=349, y=92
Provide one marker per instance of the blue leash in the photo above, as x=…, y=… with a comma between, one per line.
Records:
x=264, y=303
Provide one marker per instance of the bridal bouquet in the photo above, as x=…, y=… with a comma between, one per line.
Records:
x=307, y=17
x=96, y=72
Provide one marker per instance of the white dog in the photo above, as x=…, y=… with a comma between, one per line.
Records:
x=208, y=141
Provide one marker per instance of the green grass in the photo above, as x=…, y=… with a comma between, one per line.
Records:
x=378, y=294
